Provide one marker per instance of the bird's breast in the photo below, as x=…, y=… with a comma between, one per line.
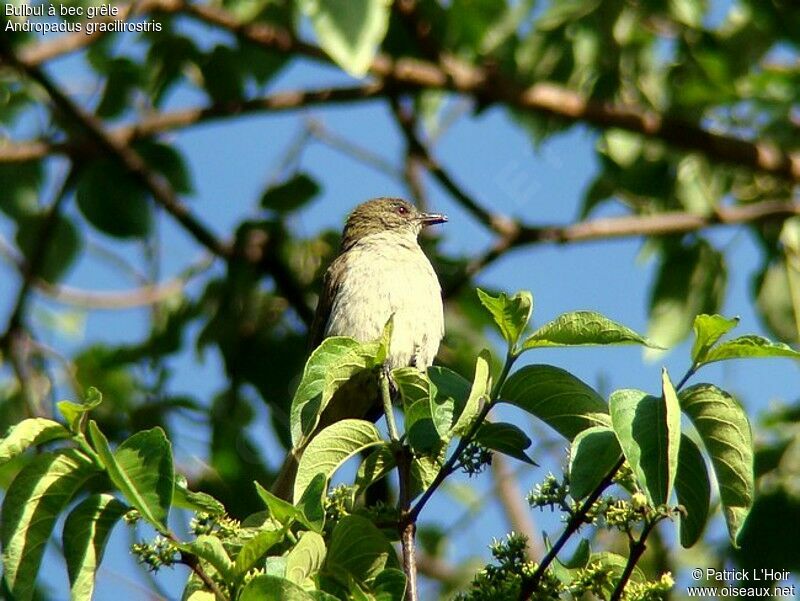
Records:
x=379, y=280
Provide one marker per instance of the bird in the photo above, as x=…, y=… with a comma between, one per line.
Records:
x=381, y=272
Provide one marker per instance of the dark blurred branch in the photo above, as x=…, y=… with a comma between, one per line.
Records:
x=405, y=120
x=30, y=269
x=161, y=122
x=158, y=187
x=544, y=98
x=130, y=159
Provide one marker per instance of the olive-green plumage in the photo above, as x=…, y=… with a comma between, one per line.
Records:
x=380, y=272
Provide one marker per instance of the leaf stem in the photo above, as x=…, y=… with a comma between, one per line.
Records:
x=689, y=373
x=449, y=466
x=387, y=406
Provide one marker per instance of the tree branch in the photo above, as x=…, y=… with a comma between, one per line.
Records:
x=161, y=122
x=160, y=190
x=452, y=74
x=637, y=549
x=544, y=98
x=577, y=520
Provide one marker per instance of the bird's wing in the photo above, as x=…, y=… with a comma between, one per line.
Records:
x=331, y=282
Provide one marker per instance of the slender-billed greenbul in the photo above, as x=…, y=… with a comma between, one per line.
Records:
x=380, y=273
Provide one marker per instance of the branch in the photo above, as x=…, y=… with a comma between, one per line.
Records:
x=543, y=98
x=637, y=549
x=407, y=524
x=160, y=190
x=158, y=187
x=454, y=75
x=577, y=519
x=161, y=122
x=405, y=120
x=38, y=53
x=678, y=222
x=30, y=269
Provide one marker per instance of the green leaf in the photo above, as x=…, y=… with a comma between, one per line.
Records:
x=36, y=497
x=693, y=490
x=331, y=448
x=128, y=215
x=253, y=550
x=556, y=397
x=350, y=31
x=479, y=391
x=222, y=76
x=648, y=431
x=580, y=558
x=774, y=300
x=747, y=347
x=616, y=565
x=593, y=454
x=330, y=365
x=413, y=385
x=312, y=503
x=510, y=313
x=690, y=281
x=306, y=558
x=583, y=328
x=73, y=412
x=280, y=510
x=30, y=432
x=86, y=532
x=291, y=194
x=505, y=438
x=20, y=184
x=377, y=464
x=708, y=329
x=725, y=432
x=210, y=549
x=265, y=587
x=142, y=470
x=358, y=548
x=390, y=585
x=63, y=246
x=420, y=428
x=167, y=161
x=184, y=498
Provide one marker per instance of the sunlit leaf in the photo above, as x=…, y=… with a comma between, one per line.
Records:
x=725, y=432
x=593, y=454
x=556, y=397
x=331, y=447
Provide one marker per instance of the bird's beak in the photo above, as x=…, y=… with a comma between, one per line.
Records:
x=432, y=218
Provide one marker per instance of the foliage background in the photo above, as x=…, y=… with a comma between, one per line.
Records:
x=214, y=359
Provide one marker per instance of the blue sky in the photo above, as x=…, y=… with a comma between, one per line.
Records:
x=496, y=162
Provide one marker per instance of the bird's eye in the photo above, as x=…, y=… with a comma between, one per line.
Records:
x=402, y=210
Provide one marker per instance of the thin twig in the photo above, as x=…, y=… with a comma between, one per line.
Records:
x=577, y=520
x=364, y=155
x=407, y=524
x=30, y=269
x=158, y=187
x=637, y=549
x=190, y=560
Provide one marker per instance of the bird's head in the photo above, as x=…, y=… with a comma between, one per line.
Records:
x=386, y=215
